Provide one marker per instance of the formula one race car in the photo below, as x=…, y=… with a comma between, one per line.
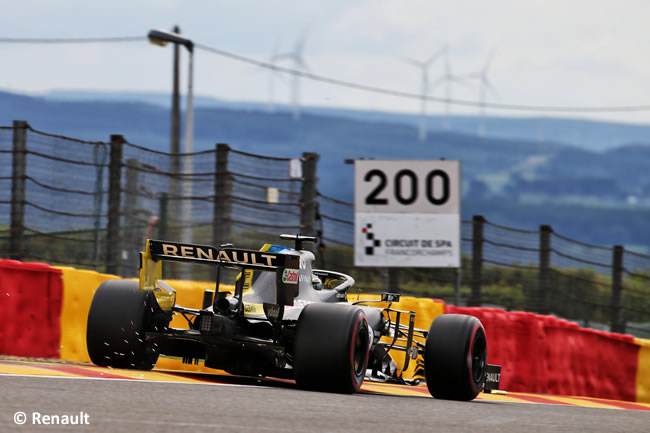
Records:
x=283, y=320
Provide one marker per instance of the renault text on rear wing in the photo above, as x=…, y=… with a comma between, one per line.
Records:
x=210, y=255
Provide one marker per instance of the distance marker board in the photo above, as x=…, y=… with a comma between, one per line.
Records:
x=407, y=213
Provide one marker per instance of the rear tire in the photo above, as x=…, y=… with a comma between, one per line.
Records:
x=116, y=326
x=331, y=348
x=455, y=357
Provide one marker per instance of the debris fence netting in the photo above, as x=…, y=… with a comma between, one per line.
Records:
x=223, y=194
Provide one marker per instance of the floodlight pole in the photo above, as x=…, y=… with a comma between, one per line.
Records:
x=174, y=145
x=163, y=37
x=186, y=213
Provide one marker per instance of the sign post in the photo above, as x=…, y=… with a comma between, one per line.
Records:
x=407, y=213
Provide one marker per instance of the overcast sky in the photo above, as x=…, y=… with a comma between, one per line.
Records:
x=546, y=52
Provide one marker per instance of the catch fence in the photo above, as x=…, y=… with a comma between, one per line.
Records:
x=91, y=204
x=528, y=270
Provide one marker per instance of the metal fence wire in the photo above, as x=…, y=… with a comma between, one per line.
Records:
x=265, y=193
x=232, y=196
x=91, y=204
x=152, y=198
x=529, y=270
x=63, y=198
x=6, y=151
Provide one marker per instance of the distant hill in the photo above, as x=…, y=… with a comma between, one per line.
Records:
x=523, y=182
x=335, y=138
x=586, y=134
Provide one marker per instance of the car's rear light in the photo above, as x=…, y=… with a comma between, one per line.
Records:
x=206, y=322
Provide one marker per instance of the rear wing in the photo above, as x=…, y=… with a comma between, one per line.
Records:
x=158, y=251
x=234, y=257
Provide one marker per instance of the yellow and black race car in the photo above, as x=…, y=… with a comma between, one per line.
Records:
x=283, y=320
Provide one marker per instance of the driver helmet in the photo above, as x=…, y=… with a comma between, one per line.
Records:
x=316, y=282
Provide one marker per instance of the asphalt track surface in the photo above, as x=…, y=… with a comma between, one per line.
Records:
x=232, y=404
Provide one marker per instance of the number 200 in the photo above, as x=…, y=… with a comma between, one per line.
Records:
x=406, y=187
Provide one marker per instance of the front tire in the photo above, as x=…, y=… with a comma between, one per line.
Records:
x=115, y=335
x=455, y=357
x=331, y=348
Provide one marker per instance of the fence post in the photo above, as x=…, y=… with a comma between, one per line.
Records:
x=544, y=268
x=114, y=192
x=222, y=209
x=320, y=248
x=99, y=157
x=616, y=324
x=162, y=215
x=477, y=260
x=308, y=194
x=19, y=167
x=132, y=236
x=161, y=233
x=392, y=280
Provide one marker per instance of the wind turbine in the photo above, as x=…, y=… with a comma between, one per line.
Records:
x=424, y=70
x=272, y=72
x=485, y=86
x=448, y=78
x=299, y=64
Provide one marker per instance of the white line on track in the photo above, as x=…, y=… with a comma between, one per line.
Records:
x=134, y=380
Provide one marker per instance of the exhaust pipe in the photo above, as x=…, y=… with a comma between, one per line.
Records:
x=224, y=306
